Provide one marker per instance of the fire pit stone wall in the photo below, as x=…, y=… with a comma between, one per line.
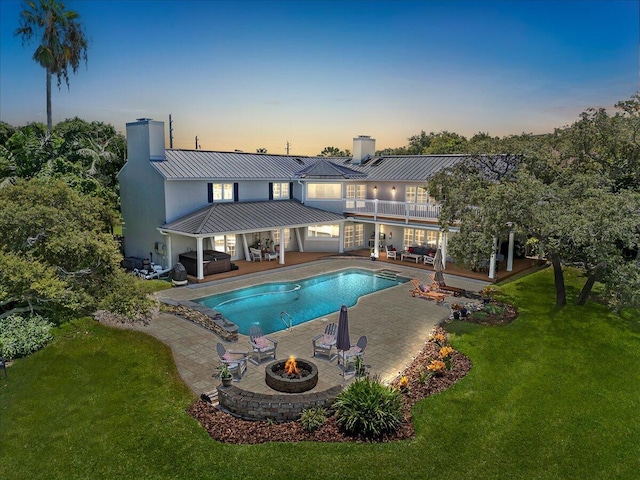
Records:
x=279, y=407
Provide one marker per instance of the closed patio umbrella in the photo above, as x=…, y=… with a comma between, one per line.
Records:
x=437, y=260
x=343, y=342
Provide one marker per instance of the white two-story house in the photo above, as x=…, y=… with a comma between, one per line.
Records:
x=176, y=201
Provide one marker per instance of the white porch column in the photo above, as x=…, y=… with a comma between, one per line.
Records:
x=443, y=249
x=245, y=247
x=341, y=246
x=510, y=252
x=376, y=240
x=299, y=240
x=283, y=242
x=199, y=257
x=492, y=260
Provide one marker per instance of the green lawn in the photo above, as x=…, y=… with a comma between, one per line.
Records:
x=554, y=395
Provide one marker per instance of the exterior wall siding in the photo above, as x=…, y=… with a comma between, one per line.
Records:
x=142, y=191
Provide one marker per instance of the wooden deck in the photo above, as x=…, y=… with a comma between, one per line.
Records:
x=297, y=258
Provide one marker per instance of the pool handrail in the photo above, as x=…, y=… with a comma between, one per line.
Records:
x=288, y=325
x=295, y=289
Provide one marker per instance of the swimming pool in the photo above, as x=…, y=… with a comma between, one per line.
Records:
x=301, y=300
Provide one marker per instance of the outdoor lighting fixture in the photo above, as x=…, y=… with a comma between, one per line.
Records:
x=375, y=187
x=393, y=189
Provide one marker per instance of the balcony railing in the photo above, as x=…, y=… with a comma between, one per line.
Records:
x=390, y=209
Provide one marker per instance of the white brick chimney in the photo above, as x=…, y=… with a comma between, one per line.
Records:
x=364, y=148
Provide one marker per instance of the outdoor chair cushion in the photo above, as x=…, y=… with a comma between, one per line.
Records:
x=262, y=343
x=328, y=339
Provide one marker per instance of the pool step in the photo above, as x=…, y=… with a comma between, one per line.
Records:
x=388, y=274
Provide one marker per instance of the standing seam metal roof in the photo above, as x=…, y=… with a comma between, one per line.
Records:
x=221, y=218
x=208, y=165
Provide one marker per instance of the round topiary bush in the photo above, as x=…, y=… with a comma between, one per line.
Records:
x=369, y=409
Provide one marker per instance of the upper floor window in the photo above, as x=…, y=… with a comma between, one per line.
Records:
x=324, y=191
x=223, y=192
x=280, y=190
x=357, y=191
x=415, y=194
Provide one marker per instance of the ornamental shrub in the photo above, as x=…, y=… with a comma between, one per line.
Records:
x=369, y=409
x=20, y=336
x=313, y=418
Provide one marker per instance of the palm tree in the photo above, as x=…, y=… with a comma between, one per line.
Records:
x=63, y=41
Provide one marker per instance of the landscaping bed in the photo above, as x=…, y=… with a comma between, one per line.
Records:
x=418, y=384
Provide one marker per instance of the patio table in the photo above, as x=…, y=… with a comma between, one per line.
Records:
x=411, y=256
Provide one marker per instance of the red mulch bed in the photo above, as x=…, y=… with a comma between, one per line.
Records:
x=226, y=428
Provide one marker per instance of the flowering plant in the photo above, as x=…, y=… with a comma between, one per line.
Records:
x=403, y=383
x=446, y=351
x=438, y=338
x=437, y=367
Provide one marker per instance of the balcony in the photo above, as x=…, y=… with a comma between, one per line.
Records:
x=391, y=210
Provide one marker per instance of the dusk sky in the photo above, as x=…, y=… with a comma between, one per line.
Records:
x=244, y=75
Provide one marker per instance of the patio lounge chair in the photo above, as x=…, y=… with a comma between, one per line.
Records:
x=391, y=253
x=428, y=260
x=325, y=342
x=273, y=255
x=261, y=346
x=256, y=254
x=349, y=356
x=235, y=361
x=439, y=284
x=421, y=290
x=157, y=271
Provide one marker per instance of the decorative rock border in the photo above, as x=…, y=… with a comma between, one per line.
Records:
x=203, y=316
x=279, y=407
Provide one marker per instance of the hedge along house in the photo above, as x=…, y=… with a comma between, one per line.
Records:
x=176, y=201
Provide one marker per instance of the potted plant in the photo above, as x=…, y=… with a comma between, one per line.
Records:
x=373, y=253
x=225, y=375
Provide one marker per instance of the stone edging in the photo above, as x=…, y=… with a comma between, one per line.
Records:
x=203, y=316
x=279, y=407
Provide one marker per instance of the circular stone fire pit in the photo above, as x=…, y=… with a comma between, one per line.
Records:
x=279, y=380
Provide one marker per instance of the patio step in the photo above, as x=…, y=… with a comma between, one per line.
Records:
x=388, y=274
x=210, y=397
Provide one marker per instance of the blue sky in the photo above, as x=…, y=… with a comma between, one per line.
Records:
x=244, y=75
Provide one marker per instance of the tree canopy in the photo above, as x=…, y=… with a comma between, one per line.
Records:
x=334, y=152
x=573, y=191
x=57, y=255
x=86, y=155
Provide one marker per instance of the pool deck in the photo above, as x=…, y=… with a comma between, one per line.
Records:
x=397, y=326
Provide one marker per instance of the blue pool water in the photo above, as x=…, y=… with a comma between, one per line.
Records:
x=303, y=300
